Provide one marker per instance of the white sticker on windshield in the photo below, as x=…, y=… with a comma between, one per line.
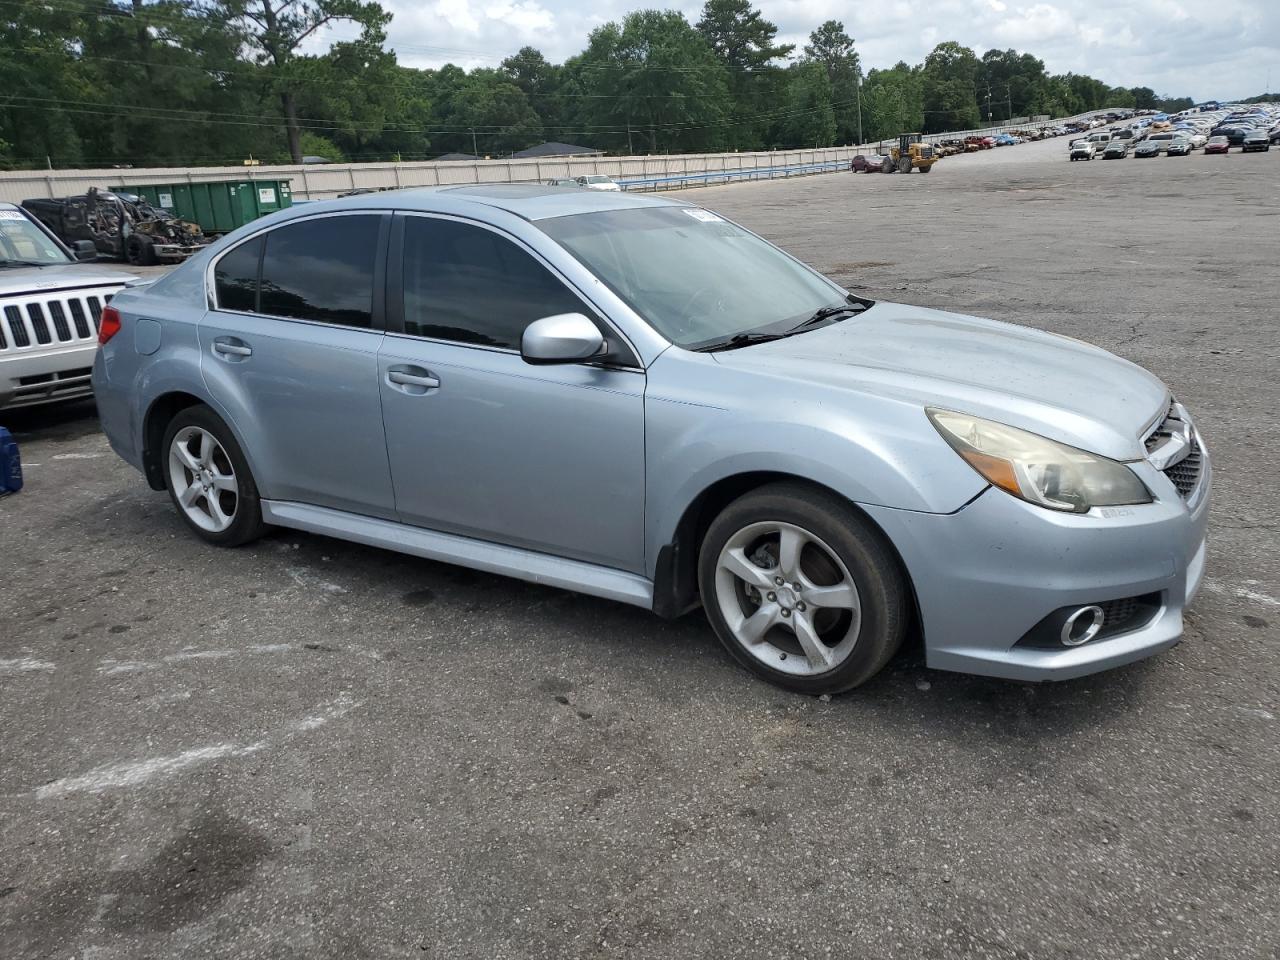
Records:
x=11, y=215
x=704, y=216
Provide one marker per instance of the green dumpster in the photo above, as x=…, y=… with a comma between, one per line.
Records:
x=219, y=206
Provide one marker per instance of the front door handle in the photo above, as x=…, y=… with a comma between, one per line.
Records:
x=412, y=380
x=229, y=348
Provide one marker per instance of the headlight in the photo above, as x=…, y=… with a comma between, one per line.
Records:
x=1037, y=469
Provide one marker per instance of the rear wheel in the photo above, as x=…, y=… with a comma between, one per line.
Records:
x=926, y=168
x=140, y=251
x=801, y=590
x=209, y=480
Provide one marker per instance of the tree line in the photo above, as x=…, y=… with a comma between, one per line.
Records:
x=178, y=82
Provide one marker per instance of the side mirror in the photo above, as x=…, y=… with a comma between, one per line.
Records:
x=85, y=250
x=563, y=338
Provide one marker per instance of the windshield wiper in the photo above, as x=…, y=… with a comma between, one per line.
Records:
x=24, y=263
x=741, y=340
x=855, y=305
x=826, y=313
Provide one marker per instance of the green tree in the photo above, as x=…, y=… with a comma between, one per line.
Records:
x=653, y=74
x=275, y=29
x=893, y=102
x=950, y=101
x=831, y=47
x=809, y=120
x=1144, y=98
x=744, y=41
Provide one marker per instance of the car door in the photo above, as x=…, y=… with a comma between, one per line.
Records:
x=290, y=353
x=483, y=444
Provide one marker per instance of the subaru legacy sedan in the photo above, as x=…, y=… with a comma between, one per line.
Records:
x=636, y=398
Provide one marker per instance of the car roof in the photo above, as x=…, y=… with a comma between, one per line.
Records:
x=530, y=201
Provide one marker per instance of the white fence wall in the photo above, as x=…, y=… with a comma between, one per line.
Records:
x=322, y=181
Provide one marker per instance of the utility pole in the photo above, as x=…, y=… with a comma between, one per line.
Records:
x=630, y=149
x=1008, y=102
x=988, y=102
x=475, y=152
x=858, y=88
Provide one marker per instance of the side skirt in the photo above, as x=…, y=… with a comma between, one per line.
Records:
x=478, y=554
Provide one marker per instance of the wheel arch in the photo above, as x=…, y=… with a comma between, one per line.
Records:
x=675, y=586
x=157, y=419
x=160, y=413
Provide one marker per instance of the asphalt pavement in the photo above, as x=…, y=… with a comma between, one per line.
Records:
x=307, y=748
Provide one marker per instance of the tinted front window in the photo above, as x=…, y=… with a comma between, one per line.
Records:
x=236, y=277
x=468, y=284
x=321, y=270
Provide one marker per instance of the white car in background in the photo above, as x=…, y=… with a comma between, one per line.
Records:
x=1083, y=150
x=50, y=305
x=600, y=182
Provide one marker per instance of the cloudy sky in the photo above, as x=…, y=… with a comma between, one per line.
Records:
x=1207, y=49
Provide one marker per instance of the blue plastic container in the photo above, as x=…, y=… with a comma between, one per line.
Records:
x=10, y=464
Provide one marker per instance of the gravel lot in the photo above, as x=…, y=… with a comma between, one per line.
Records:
x=308, y=748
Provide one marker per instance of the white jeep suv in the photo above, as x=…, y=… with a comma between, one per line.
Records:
x=49, y=310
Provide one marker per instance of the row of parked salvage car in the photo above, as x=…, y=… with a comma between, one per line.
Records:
x=887, y=159
x=1252, y=128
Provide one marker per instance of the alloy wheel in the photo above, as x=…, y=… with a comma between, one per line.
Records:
x=203, y=479
x=788, y=598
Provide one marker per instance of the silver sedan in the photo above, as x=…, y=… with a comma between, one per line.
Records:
x=636, y=398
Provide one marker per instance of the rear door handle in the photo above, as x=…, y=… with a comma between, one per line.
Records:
x=412, y=380
x=231, y=348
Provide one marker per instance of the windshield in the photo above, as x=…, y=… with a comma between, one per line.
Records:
x=21, y=241
x=695, y=277
x=598, y=180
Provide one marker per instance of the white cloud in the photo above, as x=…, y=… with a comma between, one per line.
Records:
x=1202, y=48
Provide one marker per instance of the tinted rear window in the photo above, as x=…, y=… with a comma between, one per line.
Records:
x=236, y=277
x=321, y=270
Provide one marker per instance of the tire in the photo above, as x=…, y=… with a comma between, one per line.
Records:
x=886, y=165
x=850, y=633
x=904, y=164
x=140, y=251
x=223, y=476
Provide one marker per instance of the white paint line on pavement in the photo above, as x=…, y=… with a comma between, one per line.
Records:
x=23, y=665
x=303, y=578
x=1256, y=712
x=111, y=667
x=77, y=456
x=1241, y=593
x=332, y=710
x=138, y=772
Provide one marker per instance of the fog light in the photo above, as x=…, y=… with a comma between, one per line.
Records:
x=1082, y=626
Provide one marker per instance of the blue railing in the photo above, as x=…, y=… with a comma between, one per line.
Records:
x=675, y=180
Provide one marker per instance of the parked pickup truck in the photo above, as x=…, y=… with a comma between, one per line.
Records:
x=120, y=225
x=49, y=310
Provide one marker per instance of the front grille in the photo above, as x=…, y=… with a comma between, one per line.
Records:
x=1176, y=438
x=1185, y=474
x=49, y=320
x=17, y=329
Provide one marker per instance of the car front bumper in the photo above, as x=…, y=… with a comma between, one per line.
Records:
x=985, y=575
x=61, y=372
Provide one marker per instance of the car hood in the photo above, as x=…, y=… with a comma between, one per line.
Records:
x=70, y=276
x=1052, y=385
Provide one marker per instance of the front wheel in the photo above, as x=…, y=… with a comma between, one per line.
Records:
x=802, y=590
x=209, y=479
